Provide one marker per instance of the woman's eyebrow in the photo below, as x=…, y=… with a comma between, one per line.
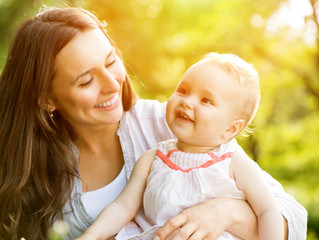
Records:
x=82, y=74
x=89, y=70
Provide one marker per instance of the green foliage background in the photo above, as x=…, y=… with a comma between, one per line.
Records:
x=160, y=39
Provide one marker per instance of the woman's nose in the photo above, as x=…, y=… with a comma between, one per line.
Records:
x=109, y=82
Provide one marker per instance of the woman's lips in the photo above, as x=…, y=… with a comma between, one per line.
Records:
x=109, y=104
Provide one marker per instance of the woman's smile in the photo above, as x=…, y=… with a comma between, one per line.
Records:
x=110, y=103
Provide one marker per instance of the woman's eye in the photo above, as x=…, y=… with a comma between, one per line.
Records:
x=111, y=61
x=87, y=83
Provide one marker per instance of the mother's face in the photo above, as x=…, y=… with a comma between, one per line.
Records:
x=86, y=89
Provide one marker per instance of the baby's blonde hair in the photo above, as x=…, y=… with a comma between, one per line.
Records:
x=247, y=78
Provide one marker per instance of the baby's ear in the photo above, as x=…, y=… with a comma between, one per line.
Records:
x=235, y=128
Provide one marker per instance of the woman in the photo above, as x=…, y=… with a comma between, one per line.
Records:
x=71, y=130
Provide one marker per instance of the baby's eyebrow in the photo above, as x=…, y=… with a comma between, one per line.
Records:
x=211, y=95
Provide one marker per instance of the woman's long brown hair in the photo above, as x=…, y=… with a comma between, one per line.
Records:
x=37, y=166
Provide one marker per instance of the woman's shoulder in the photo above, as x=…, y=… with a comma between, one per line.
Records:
x=148, y=108
x=149, y=115
x=146, y=123
x=228, y=147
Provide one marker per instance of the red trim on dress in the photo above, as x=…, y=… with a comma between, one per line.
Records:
x=170, y=164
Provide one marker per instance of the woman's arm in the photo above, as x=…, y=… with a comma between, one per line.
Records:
x=125, y=206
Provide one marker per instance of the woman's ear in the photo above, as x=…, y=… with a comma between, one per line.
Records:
x=235, y=128
x=47, y=103
x=51, y=106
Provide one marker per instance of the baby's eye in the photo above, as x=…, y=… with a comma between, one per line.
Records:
x=206, y=100
x=181, y=91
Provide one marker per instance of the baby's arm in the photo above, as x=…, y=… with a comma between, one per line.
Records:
x=124, y=207
x=248, y=179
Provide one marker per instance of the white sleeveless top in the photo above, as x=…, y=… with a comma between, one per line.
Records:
x=95, y=201
x=178, y=180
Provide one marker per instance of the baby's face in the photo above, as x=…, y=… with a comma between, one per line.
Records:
x=203, y=106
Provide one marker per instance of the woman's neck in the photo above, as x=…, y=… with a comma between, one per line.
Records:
x=101, y=157
x=96, y=139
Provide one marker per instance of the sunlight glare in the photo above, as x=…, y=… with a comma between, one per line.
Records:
x=257, y=20
x=292, y=14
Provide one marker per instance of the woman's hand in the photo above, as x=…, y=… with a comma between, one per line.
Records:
x=208, y=220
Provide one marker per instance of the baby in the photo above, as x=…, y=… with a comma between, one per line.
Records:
x=215, y=100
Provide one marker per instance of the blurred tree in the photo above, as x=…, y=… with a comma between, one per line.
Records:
x=160, y=39
x=14, y=11
x=10, y=11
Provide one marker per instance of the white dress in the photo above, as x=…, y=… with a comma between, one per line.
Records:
x=178, y=180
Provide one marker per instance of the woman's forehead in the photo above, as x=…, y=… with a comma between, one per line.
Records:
x=84, y=51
